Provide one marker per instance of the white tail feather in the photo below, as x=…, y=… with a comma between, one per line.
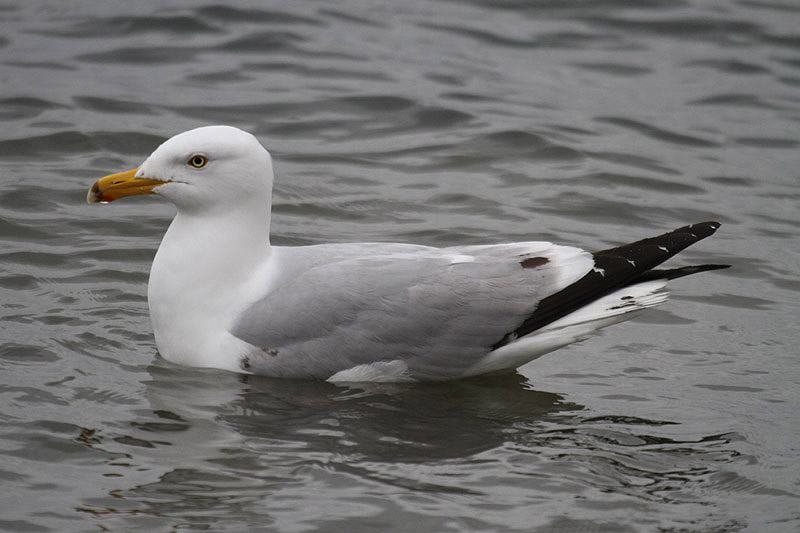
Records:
x=615, y=307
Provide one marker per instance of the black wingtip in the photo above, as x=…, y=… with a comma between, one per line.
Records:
x=675, y=273
x=619, y=267
x=671, y=243
x=702, y=229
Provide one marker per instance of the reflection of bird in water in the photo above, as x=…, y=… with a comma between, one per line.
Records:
x=393, y=422
x=375, y=421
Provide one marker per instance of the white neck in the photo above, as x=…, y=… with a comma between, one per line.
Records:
x=199, y=282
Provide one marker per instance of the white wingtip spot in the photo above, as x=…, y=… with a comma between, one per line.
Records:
x=664, y=248
x=631, y=261
x=600, y=271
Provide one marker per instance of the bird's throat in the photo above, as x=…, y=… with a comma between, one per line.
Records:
x=199, y=281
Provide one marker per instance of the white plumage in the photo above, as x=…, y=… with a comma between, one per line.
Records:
x=221, y=296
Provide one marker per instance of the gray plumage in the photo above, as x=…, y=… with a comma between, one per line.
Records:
x=437, y=310
x=221, y=296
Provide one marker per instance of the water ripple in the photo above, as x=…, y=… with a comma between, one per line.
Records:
x=438, y=123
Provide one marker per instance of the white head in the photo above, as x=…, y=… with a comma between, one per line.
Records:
x=206, y=169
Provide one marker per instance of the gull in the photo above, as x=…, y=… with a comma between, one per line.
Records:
x=221, y=296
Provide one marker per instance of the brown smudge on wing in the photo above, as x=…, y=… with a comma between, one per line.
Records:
x=534, y=262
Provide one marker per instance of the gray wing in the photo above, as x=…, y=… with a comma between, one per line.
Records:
x=333, y=307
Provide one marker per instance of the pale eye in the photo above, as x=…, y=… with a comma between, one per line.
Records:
x=197, y=161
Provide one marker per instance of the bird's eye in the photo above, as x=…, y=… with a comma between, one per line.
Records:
x=197, y=161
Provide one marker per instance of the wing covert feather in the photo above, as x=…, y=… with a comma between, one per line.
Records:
x=332, y=307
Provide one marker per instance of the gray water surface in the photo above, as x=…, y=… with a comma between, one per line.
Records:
x=440, y=123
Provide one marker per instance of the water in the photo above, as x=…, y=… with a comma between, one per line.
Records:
x=589, y=123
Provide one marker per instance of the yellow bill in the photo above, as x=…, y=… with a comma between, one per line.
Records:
x=117, y=186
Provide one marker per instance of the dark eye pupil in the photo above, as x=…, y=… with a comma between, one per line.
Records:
x=197, y=161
